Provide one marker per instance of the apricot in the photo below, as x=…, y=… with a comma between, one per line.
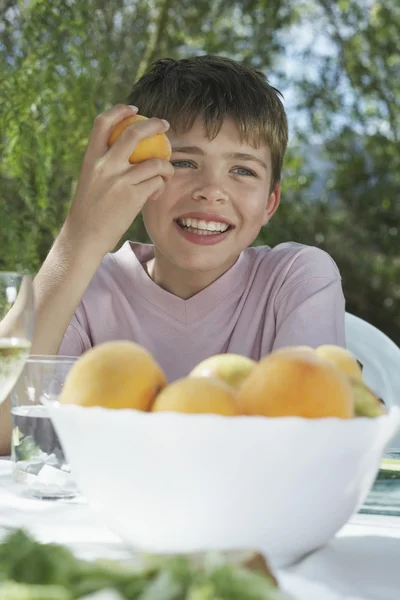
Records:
x=198, y=395
x=118, y=374
x=366, y=402
x=342, y=358
x=294, y=350
x=231, y=368
x=156, y=146
x=296, y=383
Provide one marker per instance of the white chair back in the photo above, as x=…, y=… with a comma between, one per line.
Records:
x=380, y=358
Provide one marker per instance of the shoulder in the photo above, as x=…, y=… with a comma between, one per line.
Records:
x=294, y=260
x=122, y=267
x=117, y=276
x=289, y=267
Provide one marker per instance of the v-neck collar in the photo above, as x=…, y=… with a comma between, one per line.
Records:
x=132, y=257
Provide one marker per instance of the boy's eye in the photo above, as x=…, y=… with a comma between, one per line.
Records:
x=181, y=163
x=245, y=172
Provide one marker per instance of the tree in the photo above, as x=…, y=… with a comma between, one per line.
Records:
x=66, y=61
x=352, y=106
x=63, y=62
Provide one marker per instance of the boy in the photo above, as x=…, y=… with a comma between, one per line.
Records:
x=199, y=289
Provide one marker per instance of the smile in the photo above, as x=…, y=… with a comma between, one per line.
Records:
x=201, y=227
x=203, y=232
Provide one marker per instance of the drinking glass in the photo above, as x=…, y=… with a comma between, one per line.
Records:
x=40, y=469
x=16, y=327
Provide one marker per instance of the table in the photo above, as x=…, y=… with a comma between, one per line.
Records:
x=362, y=562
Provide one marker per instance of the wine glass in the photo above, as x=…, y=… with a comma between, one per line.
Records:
x=16, y=327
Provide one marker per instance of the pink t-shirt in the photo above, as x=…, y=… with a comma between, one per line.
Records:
x=271, y=297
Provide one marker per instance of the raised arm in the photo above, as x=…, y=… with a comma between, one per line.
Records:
x=109, y=196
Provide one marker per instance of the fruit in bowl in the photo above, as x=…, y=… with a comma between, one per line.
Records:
x=177, y=480
x=342, y=358
x=288, y=382
x=366, y=403
x=197, y=395
x=231, y=368
x=114, y=375
x=296, y=383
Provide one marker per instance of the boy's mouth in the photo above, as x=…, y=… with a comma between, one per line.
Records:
x=202, y=227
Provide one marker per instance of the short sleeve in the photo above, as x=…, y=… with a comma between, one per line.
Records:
x=76, y=340
x=310, y=306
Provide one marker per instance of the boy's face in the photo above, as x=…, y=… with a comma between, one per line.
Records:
x=215, y=204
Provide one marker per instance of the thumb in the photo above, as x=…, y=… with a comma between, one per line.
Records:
x=102, y=127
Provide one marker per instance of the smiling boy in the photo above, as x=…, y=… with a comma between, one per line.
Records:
x=199, y=288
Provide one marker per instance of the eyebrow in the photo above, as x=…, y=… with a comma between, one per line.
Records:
x=231, y=155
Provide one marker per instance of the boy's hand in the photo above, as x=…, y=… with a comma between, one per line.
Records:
x=111, y=192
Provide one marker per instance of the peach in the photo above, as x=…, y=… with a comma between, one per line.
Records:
x=231, y=368
x=342, y=358
x=366, y=403
x=296, y=383
x=197, y=395
x=156, y=146
x=118, y=374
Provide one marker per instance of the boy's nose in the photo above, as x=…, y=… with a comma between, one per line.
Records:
x=210, y=194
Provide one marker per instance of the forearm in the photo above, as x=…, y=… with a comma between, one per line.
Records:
x=59, y=287
x=109, y=196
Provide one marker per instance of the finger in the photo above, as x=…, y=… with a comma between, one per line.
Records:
x=151, y=188
x=128, y=140
x=102, y=126
x=147, y=169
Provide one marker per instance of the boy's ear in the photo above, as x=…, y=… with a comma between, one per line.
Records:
x=272, y=203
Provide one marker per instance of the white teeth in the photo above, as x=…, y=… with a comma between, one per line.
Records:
x=200, y=231
x=203, y=226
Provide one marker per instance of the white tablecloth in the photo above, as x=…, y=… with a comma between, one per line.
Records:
x=361, y=563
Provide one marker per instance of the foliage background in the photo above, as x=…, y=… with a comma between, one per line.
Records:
x=64, y=61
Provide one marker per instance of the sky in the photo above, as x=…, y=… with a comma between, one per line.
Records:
x=298, y=38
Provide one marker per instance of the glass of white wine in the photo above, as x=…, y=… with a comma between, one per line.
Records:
x=17, y=315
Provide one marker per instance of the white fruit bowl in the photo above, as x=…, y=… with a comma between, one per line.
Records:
x=168, y=482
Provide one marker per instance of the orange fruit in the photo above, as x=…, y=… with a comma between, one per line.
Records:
x=231, y=368
x=342, y=358
x=119, y=374
x=297, y=349
x=296, y=383
x=156, y=146
x=366, y=402
x=197, y=395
